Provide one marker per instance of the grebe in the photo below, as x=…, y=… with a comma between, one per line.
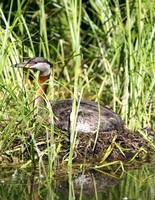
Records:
x=89, y=116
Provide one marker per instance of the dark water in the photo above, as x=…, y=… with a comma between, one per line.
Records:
x=135, y=184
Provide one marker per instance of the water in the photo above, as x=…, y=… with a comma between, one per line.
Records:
x=135, y=184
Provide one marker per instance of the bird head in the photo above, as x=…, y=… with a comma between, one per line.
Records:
x=37, y=64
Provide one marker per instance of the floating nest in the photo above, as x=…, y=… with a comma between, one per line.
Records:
x=88, y=148
x=107, y=146
x=111, y=146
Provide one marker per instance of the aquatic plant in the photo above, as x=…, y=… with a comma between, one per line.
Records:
x=100, y=50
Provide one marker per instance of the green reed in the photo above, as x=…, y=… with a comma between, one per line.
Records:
x=73, y=12
x=103, y=51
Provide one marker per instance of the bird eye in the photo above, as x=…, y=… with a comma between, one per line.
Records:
x=33, y=62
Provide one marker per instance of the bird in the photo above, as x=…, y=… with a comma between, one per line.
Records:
x=100, y=132
x=91, y=116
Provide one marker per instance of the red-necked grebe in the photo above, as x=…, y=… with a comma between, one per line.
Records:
x=88, y=118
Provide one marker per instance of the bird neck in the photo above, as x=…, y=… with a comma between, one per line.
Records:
x=42, y=90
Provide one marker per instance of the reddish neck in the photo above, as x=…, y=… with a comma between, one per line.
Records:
x=42, y=90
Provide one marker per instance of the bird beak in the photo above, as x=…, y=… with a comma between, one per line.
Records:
x=21, y=65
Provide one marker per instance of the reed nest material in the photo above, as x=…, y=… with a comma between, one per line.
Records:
x=111, y=146
x=89, y=148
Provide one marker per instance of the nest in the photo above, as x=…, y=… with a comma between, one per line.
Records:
x=100, y=147
x=110, y=146
x=94, y=148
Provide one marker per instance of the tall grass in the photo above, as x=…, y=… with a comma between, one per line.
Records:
x=73, y=11
x=100, y=50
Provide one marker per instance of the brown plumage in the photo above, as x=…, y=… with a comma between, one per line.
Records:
x=91, y=117
x=92, y=120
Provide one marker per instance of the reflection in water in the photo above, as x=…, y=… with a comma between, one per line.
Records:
x=87, y=184
x=135, y=184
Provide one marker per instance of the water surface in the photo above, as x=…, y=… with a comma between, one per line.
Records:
x=135, y=184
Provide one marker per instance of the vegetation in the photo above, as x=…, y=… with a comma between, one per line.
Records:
x=100, y=50
x=137, y=184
